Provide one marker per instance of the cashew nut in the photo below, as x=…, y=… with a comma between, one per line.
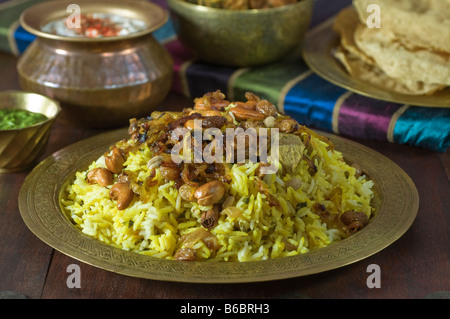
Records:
x=122, y=194
x=100, y=176
x=114, y=162
x=242, y=114
x=209, y=193
x=250, y=105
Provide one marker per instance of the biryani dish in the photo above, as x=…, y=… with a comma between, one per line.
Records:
x=164, y=192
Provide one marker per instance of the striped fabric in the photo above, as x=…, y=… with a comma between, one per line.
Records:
x=289, y=84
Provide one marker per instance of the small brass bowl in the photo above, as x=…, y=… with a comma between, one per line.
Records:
x=21, y=148
x=100, y=82
x=241, y=38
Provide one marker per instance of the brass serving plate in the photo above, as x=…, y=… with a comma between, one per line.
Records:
x=396, y=202
x=318, y=48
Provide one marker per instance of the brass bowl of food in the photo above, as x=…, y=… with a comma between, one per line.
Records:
x=241, y=37
x=102, y=64
x=25, y=125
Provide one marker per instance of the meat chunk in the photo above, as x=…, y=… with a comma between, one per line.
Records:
x=291, y=151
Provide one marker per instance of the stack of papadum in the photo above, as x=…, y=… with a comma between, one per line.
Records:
x=410, y=51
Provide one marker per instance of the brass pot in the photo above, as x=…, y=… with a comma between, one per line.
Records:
x=100, y=82
x=241, y=38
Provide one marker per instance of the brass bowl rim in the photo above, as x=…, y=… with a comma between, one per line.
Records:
x=33, y=18
x=55, y=103
x=202, y=8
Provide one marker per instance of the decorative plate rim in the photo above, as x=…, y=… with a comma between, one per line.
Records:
x=318, y=55
x=397, y=201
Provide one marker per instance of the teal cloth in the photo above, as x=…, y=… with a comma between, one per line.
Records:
x=428, y=128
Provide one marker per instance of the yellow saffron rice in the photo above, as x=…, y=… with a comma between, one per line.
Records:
x=156, y=222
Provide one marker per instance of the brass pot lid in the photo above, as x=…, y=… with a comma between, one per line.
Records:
x=35, y=17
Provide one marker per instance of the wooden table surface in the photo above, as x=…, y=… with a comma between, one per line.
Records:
x=414, y=267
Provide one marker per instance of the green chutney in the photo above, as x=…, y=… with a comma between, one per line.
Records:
x=13, y=119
